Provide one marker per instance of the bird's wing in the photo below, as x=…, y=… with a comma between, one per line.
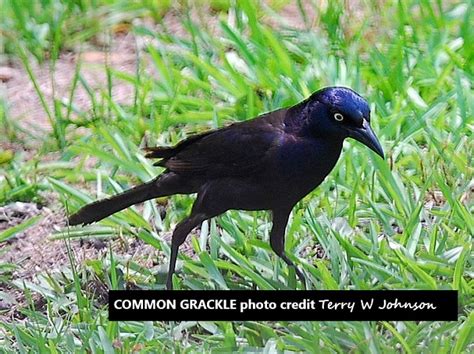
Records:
x=240, y=149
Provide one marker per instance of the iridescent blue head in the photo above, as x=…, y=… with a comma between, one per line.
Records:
x=339, y=113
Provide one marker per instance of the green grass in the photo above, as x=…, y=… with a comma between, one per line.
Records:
x=403, y=223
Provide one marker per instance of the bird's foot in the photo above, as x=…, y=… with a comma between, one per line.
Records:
x=300, y=276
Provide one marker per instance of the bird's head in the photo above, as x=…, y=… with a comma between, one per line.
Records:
x=339, y=113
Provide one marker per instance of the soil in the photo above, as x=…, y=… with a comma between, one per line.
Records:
x=24, y=103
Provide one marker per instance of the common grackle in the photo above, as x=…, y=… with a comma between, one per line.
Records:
x=267, y=163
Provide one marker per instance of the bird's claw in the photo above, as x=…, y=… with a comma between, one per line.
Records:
x=300, y=276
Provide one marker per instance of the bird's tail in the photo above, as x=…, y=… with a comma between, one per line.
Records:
x=99, y=210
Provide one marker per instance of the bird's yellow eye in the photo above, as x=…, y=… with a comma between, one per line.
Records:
x=338, y=116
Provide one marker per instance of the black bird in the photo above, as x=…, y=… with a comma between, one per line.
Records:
x=267, y=163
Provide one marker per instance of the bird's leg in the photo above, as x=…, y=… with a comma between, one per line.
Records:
x=179, y=235
x=277, y=240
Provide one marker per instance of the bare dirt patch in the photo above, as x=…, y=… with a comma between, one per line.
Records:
x=24, y=104
x=34, y=252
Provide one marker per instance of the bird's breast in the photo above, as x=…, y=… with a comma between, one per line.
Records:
x=302, y=166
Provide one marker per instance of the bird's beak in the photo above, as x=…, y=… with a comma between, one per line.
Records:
x=366, y=136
